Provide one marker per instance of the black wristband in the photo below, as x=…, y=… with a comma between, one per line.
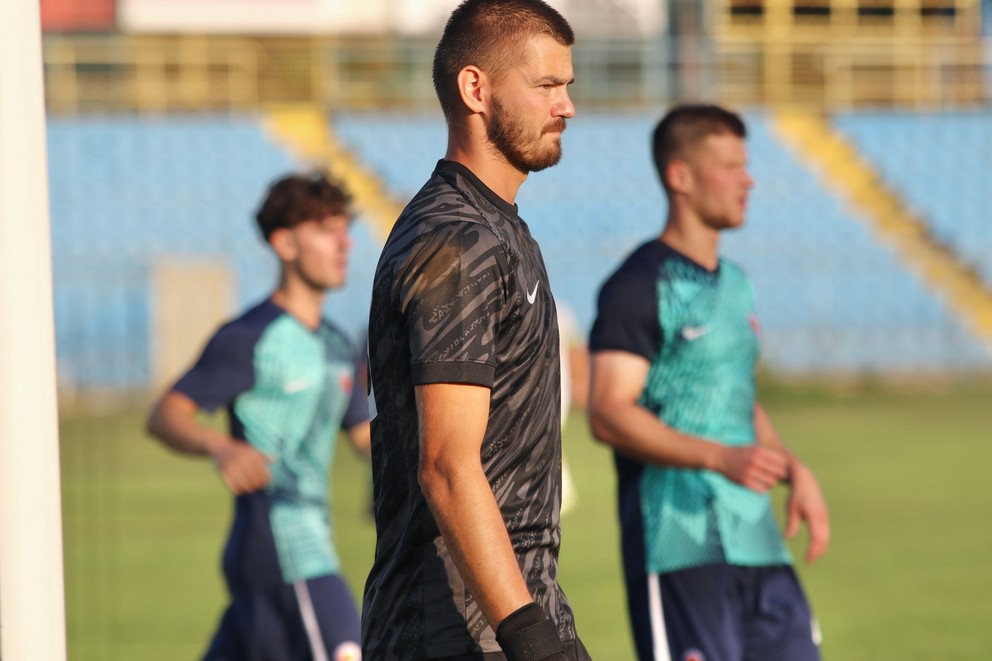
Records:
x=527, y=634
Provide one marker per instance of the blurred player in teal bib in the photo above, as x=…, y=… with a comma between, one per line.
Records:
x=674, y=350
x=287, y=378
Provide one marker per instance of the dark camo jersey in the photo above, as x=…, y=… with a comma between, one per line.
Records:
x=461, y=295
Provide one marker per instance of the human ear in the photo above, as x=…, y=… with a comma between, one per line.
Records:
x=283, y=244
x=472, y=84
x=679, y=176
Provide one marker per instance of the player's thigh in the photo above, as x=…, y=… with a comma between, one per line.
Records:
x=701, y=612
x=253, y=629
x=337, y=617
x=227, y=643
x=782, y=627
x=644, y=613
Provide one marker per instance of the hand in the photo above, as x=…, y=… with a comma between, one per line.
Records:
x=754, y=466
x=243, y=468
x=806, y=503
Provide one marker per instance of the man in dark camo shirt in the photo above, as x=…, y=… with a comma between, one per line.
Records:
x=464, y=388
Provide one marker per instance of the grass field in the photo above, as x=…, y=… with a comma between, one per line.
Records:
x=908, y=576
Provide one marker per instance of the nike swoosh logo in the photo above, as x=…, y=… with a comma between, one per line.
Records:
x=291, y=387
x=694, y=332
x=531, y=297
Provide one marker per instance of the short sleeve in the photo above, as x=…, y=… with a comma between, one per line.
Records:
x=453, y=301
x=358, y=409
x=627, y=316
x=223, y=371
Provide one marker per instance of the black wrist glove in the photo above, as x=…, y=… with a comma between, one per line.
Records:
x=527, y=634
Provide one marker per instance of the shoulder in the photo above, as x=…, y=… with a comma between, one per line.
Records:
x=632, y=289
x=447, y=230
x=444, y=199
x=640, y=266
x=226, y=366
x=439, y=206
x=246, y=329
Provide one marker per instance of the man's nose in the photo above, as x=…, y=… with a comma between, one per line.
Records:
x=564, y=106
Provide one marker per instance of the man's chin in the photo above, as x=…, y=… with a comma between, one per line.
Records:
x=546, y=160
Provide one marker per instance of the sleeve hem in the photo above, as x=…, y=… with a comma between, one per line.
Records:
x=480, y=374
x=617, y=346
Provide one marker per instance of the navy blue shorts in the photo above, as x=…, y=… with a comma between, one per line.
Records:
x=722, y=613
x=313, y=620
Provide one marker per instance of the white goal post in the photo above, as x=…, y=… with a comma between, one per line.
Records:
x=32, y=603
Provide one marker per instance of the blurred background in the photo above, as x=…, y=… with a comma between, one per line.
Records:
x=868, y=240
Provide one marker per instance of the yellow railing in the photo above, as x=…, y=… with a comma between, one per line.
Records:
x=93, y=73
x=142, y=73
x=912, y=73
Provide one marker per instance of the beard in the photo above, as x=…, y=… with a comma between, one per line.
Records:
x=509, y=137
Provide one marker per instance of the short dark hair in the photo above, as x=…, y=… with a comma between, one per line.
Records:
x=685, y=126
x=297, y=198
x=485, y=33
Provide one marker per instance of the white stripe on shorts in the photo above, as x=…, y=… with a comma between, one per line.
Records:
x=659, y=634
x=310, y=621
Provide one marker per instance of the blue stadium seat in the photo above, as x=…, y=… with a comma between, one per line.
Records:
x=126, y=191
x=832, y=298
x=939, y=165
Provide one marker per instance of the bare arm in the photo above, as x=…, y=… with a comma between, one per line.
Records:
x=453, y=420
x=173, y=421
x=617, y=379
x=360, y=436
x=806, y=501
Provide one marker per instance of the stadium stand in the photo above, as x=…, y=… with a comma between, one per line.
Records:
x=127, y=192
x=925, y=157
x=832, y=298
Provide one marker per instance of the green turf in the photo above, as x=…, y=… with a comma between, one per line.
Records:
x=907, y=576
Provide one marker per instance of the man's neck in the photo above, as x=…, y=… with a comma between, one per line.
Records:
x=699, y=243
x=301, y=302
x=487, y=164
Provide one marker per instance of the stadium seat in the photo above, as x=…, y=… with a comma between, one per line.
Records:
x=832, y=298
x=127, y=191
x=932, y=162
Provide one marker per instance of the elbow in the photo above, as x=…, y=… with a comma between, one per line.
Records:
x=432, y=479
x=361, y=439
x=599, y=424
x=153, y=425
x=442, y=480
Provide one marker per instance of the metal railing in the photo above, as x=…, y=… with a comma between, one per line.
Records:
x=111, y=73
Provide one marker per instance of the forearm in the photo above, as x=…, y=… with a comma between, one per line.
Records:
x=637, y=433
x=764, y=431
x=474, y=532
x=173, y=421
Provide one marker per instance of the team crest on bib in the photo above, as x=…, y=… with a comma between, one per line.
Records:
x=693, y=655
x=346, y=383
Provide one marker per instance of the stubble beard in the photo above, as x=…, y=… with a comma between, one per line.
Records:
x=509, y=138
x=322, y=283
